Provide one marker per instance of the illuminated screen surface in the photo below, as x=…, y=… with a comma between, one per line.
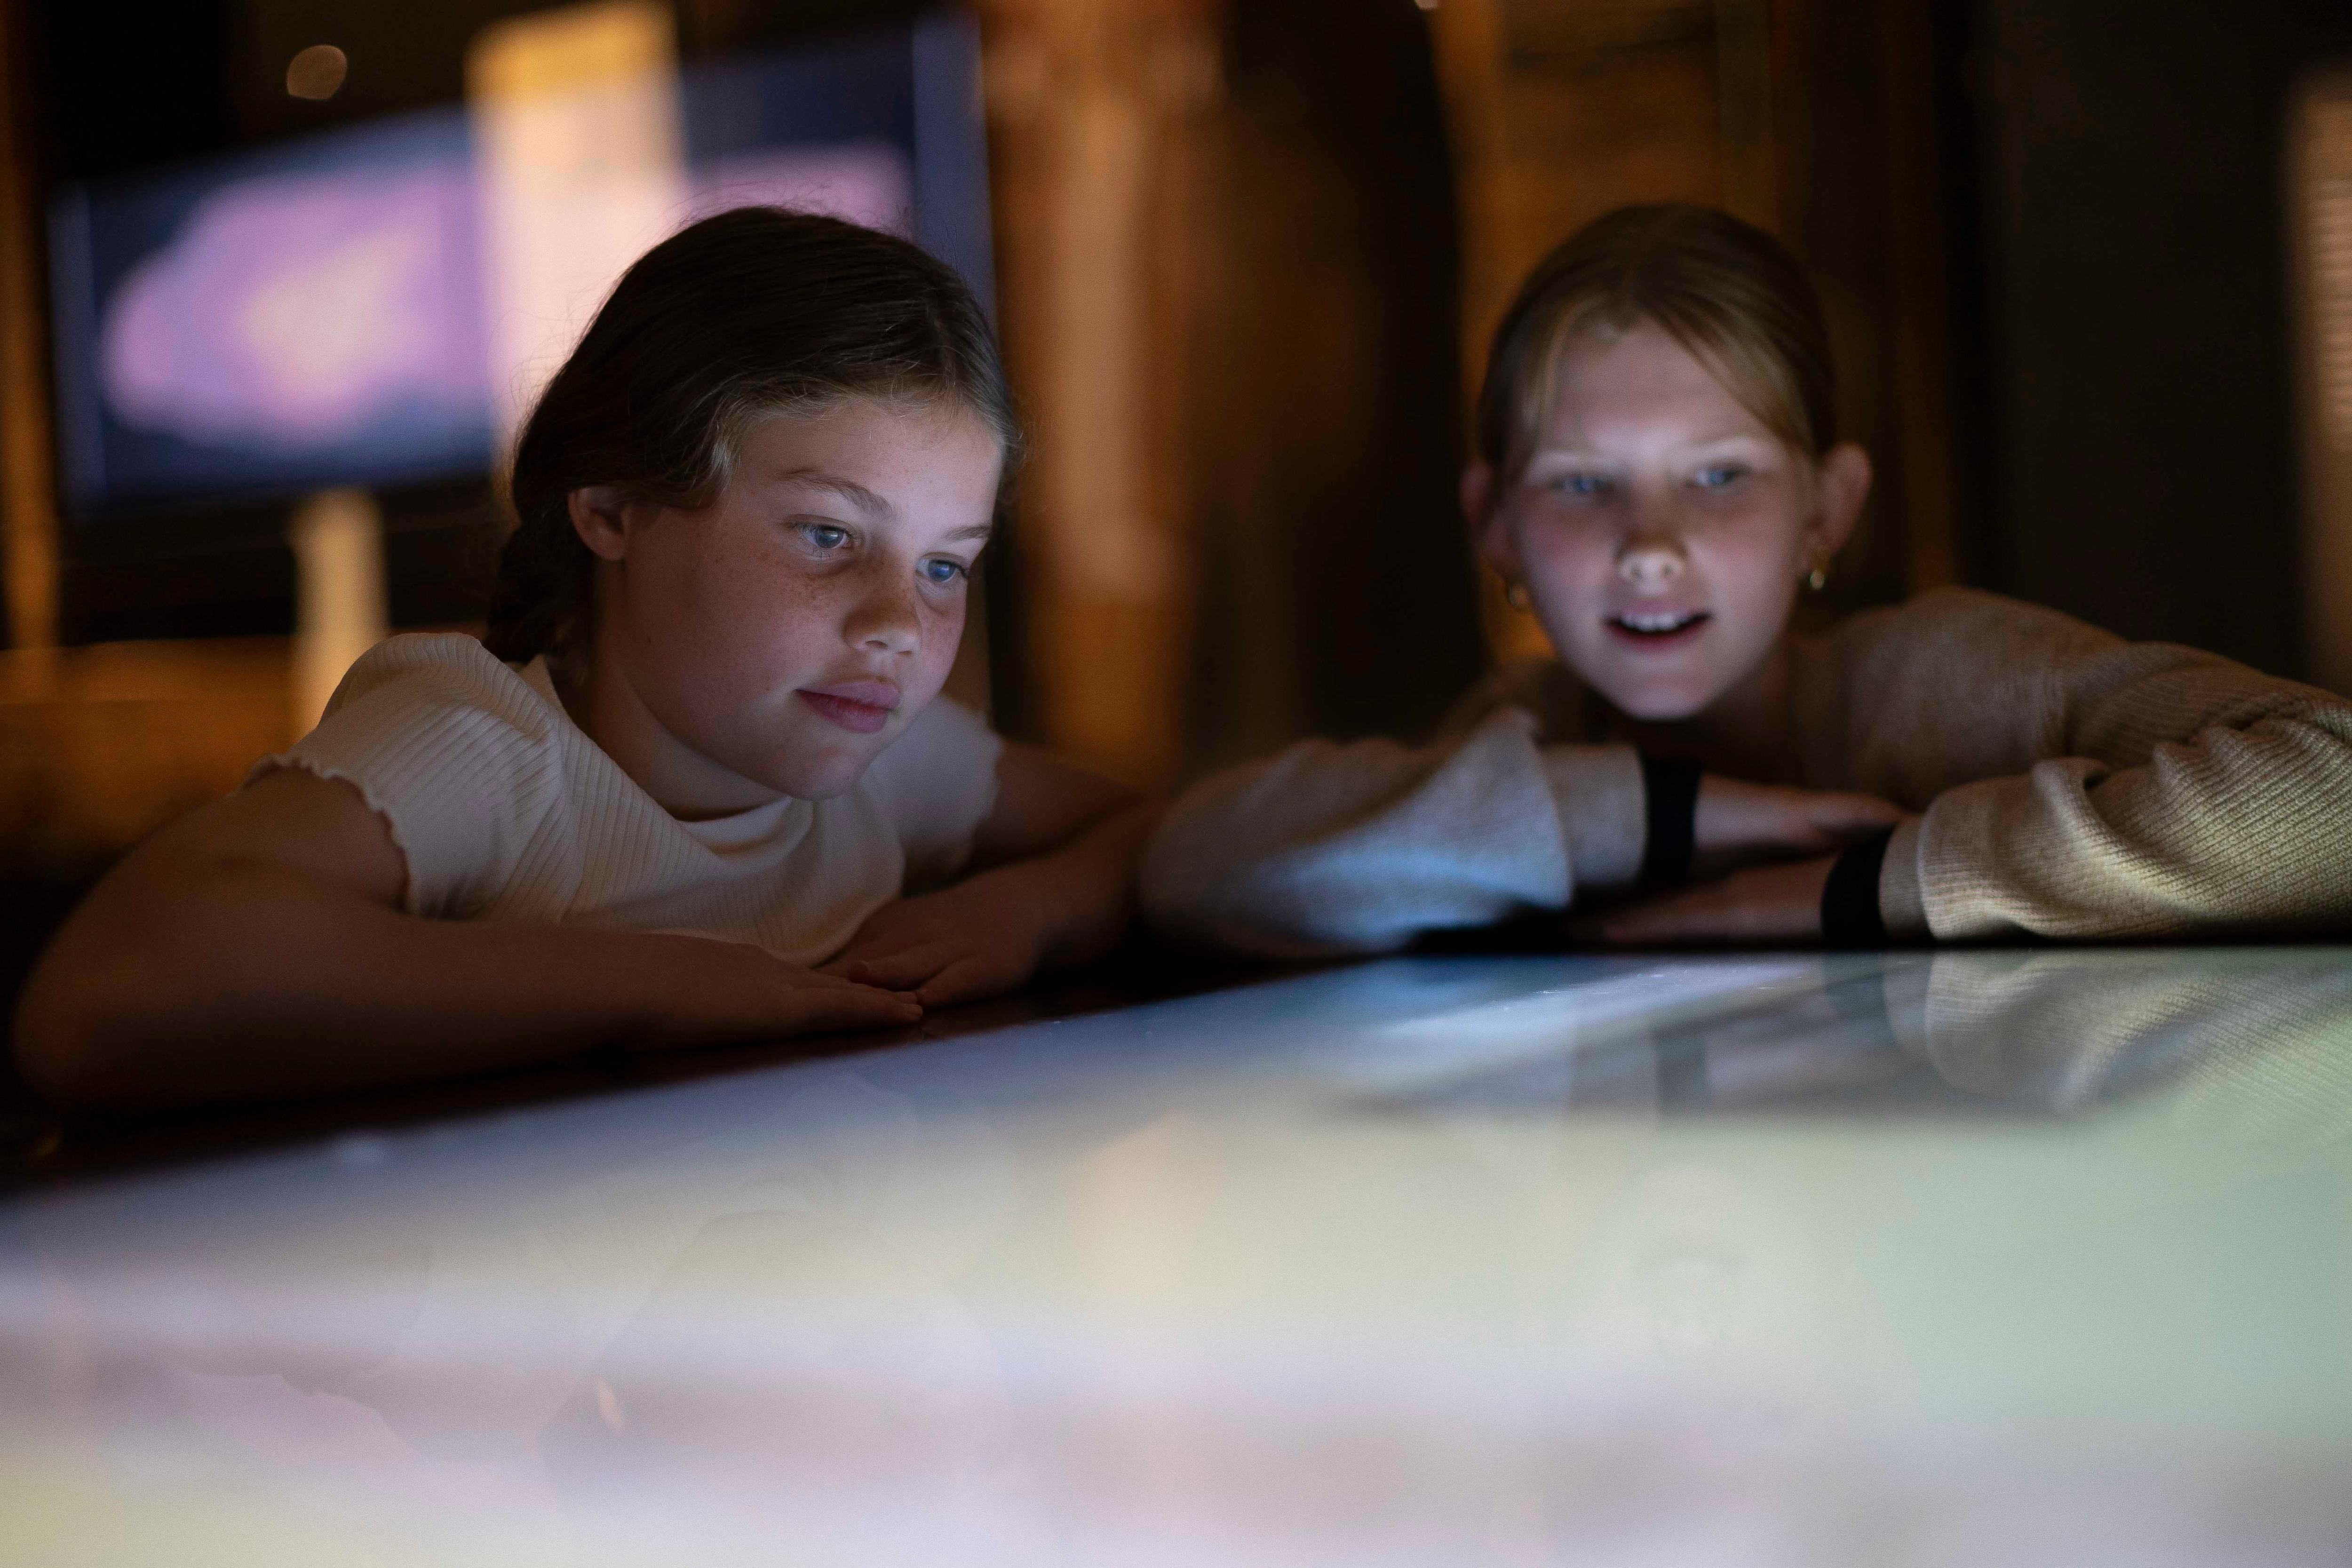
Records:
x=315, y=312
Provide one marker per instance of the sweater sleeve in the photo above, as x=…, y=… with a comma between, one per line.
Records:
x=1328, y=849
x=2169, y=792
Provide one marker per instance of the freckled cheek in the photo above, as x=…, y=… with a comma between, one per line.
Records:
x=943, y=632
x=745, y=630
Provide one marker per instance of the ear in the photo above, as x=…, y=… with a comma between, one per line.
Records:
x=1845, y=485
x=599, y=516
x=1482, y=508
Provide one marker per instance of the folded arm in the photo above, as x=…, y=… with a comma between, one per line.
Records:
x=1053, y=883
x=2189, y=795
x=1326, y=850
x=258, y=948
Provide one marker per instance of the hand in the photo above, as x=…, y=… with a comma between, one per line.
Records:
x=1762, y=905
x=980, y=938
x=733, y=991
x=1738, y=822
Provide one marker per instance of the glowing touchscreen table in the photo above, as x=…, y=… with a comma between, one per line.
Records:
x=1961, y=1258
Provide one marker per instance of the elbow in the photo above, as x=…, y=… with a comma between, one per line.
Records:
x=76, y=1033
x=60, y=1047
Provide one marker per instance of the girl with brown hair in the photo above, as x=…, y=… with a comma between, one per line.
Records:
x=748, y=506
x=1656, y=476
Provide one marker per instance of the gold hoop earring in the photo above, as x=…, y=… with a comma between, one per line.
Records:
x=1515, y=593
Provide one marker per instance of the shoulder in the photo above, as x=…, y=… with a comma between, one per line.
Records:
x=447, y=671
x=946, y=739
x=937, y=781
x=1942, y=622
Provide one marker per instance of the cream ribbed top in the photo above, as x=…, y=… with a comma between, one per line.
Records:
x=506, y=810
x=2070, y=785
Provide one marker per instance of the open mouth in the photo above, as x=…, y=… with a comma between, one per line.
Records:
x=1657, y=626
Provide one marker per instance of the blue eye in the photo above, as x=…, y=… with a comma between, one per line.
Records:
x=824, y=536
x=941, y=570
x=1719, y=475
x=1581, y=485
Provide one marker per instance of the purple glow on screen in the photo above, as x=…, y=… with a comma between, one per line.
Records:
x=300, y=310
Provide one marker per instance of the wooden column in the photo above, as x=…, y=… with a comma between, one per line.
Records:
x=1094, y=107
x=28, y=524
x=2320, y=204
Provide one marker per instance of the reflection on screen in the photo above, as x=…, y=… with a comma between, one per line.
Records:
x=331, y=312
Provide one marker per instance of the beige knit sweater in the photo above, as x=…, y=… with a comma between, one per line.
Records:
x=2071, y=785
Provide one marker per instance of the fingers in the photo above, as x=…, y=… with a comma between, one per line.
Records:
x=1779, y=903
x=902, y=970
x=1669, y=920
x=969, y=980
x=810, y=1009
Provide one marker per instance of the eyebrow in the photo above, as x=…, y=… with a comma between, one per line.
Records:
x=1703, y=444
x=850, y=491
x=977, y=531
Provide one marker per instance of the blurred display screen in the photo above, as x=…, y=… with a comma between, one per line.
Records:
x=320, y=311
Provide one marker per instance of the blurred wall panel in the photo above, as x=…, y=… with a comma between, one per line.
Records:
x=1227, y=265
x=2320, y=166
x=1337, y=588
x=1865, y=128
x=1096, y=109
x=580, y=159
x=2143, y=360
x=28, y=524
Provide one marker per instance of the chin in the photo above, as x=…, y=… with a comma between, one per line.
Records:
x=825, y=778
x=1656, y=707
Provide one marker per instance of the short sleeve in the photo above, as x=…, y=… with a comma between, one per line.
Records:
x=456, y=753
x=936, y=784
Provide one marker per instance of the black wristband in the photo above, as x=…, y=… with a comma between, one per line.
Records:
x=1850, y=916
x=1670, y=806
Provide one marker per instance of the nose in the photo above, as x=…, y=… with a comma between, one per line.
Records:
x=1651, y=564
x=885, y=618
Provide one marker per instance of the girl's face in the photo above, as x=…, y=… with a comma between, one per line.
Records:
x=1661, y=528
x=775, y=641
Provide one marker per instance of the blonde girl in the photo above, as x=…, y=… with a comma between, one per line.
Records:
x=706, y=708
x=1657, y=474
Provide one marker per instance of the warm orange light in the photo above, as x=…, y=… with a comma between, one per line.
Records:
x=317, y=72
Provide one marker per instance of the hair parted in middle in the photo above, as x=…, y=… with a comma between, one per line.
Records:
x=1725, y=290
x=755, y=311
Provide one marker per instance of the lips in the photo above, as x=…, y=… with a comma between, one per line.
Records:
x=1657, y=625
x=862, y=706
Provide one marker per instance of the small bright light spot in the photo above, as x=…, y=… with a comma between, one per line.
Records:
x=317, y=72
x=608, y=1406
x=1426, y=5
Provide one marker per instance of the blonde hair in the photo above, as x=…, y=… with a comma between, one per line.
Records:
x=1729, y=293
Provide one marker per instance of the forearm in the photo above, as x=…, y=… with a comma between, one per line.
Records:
x=1084, y=892
x=2234, y=832
x=258, y=982
x=1330, y=849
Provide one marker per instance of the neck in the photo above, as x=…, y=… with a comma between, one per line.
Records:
x=1744, y=733
x=597, y=693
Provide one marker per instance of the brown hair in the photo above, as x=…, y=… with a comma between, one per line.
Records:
x=754, y=312
x=1725, y=290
